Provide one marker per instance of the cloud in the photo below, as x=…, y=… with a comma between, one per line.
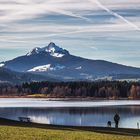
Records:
x=94, y=48
x=30, y=9
x=115, y=14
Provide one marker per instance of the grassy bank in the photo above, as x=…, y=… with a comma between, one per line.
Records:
x=24, y=133
x=10, y=130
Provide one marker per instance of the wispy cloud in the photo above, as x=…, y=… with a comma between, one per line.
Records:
x=115, y=14
x=30, y=9
x=94, y=48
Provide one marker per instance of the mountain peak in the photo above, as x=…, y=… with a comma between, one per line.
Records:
x=34, y=51
x=51, y=49
x=51, y=44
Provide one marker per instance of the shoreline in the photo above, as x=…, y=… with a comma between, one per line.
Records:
x=108, y=130
x=68, y=99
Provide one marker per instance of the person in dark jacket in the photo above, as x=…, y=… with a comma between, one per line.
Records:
x=116, y=119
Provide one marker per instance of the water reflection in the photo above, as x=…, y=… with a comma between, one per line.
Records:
x=95, y=116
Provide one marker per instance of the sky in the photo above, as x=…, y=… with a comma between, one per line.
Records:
x=95, y=29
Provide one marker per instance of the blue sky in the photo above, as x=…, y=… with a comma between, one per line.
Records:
x=95, y=29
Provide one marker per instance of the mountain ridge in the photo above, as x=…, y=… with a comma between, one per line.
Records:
x=54, y=61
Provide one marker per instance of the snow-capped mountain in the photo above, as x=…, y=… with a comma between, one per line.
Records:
x=58, y=63
x=51, y=49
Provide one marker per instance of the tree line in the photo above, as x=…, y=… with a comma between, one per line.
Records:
x=102, y=89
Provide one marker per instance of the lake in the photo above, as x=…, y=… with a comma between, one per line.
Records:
x=75, y=113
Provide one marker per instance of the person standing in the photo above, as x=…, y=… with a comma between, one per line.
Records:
x=116, y=119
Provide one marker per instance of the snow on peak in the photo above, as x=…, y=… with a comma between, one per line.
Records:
x=78, y=68
x=52, y=46
x=34, y=51
x=46, y=67
x=55, y=51
x=52, y=49
x=1, y=65
x=40, y=68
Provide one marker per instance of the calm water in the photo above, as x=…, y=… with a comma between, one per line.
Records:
x=80, y=113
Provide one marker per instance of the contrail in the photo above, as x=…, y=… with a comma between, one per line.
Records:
x=65, y=12
x=68, y=13
x=115, y=14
